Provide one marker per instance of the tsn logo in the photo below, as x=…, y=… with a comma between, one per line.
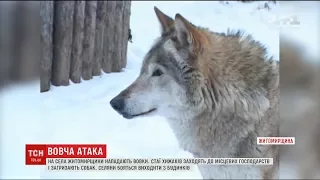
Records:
x=35, y=154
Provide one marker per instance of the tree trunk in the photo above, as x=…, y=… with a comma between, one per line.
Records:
x=7, y=20
x=100, y=26
x=78, y=34
x=29, y=58
x=46, y=14
x=88, y=41
x=118, y=37
x=108, y=40
x=20, y=30
x=63, y=27
x=126, y=26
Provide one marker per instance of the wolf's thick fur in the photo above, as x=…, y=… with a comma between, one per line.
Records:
x=219, y=92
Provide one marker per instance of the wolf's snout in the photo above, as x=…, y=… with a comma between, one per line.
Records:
x=117, y=104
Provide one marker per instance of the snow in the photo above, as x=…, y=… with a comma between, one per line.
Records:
x=80, y=113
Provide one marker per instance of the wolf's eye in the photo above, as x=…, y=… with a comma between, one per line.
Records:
x=157, y=72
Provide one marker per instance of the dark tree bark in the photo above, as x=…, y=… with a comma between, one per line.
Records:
x=7, y=20
x=31, y=54
x=63, y=28
x=21, y=30
x=126, y=26
x=88, y=41
x=108, y=38
x=46, y=14
x=78, y=34
x=118, y=37
x=19, y=46
x=100, y=26
x=87, y=36
x=30, y=42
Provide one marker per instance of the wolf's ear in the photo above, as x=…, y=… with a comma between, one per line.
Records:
x=165, y=21
x=187, y=34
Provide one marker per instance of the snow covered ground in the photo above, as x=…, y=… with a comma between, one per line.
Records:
x=80, y=113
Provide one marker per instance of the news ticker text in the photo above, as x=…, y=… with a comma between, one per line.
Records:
x=155, y=164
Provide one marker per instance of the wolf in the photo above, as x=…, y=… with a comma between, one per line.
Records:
x=218, y=92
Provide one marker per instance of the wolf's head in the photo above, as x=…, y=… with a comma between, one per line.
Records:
x=190, y=70
x=163, y=84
